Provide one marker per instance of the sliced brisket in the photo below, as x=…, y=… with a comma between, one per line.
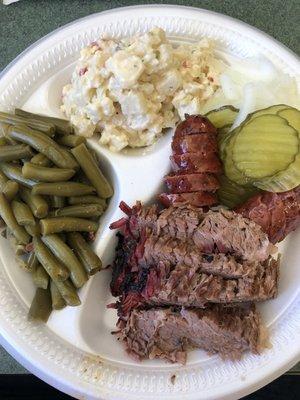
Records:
x=168, y=334
x=196, y=199
x=187, y=286
x=174, y=251
x=216, y=231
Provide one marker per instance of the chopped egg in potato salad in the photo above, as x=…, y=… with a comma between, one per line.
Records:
x=132, y=89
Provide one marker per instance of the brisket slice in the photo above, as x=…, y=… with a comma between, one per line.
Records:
x=216, y=231
x=187, y=286
x=169, y=333
x=173, y=251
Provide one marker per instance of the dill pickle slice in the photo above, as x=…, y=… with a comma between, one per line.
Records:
x=290, y=177
x=224, y=134
x=269, y=110
x=231, y=194
x=230, y=169
x=264, y=146
x=222, y=116
x=292, y=115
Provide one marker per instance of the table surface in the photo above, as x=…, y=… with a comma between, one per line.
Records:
x=24, y=22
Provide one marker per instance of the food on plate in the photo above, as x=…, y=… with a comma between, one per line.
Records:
x=262, y=152
x=183, y=256
x=189, y=277
x=188, y=259
x=64, y=253
x=195, y=164
x=67, y=224
x=231, y=194
x=42, y=126
x=277, y=213
x=251, y=84
x=14, y=152
x=198, y=199
x=62, y=126
x=40, y=308
x=168, y=333
x=131, y=89
x=223, y=116
x=62, y=189
x=60, y=156
x=92, y=171
x=88, y=258
x=45, y=193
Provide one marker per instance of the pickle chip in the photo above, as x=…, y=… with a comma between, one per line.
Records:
x=231, y=194
x=222, y=116
x=264, y=146
x=290, y=177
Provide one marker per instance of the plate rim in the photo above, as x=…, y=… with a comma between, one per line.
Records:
x=61, y=384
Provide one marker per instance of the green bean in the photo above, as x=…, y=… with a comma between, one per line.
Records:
x=36, y=203
x=43, y=144
x=71, y=140
x=62, y=189
x=87, y=200
x=58, y=201
x=32, y=261
x=92, y=171
x=40, y=277
x=67, y=224
x=34, y=230
x=46, y=128
x=23, y=264
x=3, y=141
x=68, y=292
x=7, y=187
x=67, y=257
x=80, y=211
x=10, y=190
x=22, y=213
x=58, y=302
x=88, y=258
x=62, y=126
x=4, y=129
x=14, y=172
x=46, y=174
x=3, y=179
x=41, y=307
x=10, y=220
x=15, y=152
x=41, y=159
x=20, y=250
x=53, y=267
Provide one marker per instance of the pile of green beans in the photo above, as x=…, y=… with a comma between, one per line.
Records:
x=52, y=194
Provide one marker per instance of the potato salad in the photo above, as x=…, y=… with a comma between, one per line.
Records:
x=130, y=90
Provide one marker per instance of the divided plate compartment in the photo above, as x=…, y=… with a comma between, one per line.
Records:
x=75, y=351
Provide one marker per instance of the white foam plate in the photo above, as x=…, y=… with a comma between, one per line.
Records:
x=75, y=351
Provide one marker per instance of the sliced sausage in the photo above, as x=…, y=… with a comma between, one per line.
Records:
x=191, y=183
x=196, y=199
x=194, y=125
x=192, y=162
x=202, y=144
